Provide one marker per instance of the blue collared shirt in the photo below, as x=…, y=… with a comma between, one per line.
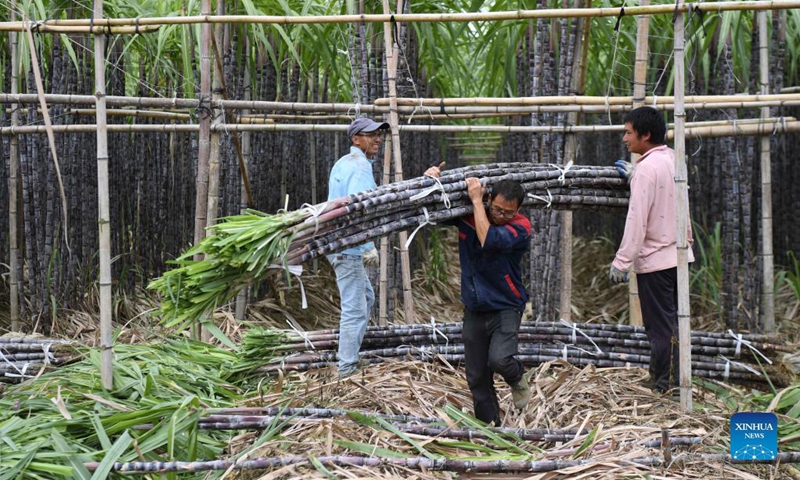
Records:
x=352, y=174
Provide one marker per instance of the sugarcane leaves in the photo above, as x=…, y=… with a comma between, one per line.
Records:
x=456, y=414
x=368, y=449
x=238, y=251
x=112, y=455
x=80, y=472
x=588, y=441
x=321, y=468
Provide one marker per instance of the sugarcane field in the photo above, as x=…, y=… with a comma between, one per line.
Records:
x=399, y=239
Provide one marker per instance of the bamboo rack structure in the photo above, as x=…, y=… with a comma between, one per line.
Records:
x=206, y=18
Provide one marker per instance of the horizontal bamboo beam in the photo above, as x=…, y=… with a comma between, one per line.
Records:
x=47, y=26
x=731, y=101
x=741, y=128
x=665, y=9
x=578, y=100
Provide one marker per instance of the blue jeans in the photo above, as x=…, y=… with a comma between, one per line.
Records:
x=357, y=300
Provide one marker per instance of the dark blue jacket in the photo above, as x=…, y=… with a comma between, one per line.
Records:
x=491, y=276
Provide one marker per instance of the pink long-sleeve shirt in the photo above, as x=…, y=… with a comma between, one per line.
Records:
x=649, y=243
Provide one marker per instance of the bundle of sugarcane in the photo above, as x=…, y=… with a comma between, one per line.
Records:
x=242, y=249
x=24, y=357
x=745, y=358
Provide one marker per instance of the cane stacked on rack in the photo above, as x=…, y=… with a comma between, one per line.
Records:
x=244, y=248
x=721, y=356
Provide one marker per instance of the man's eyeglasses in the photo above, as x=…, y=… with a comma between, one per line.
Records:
x=502, y=213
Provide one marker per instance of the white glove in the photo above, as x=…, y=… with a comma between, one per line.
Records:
x=371, y=257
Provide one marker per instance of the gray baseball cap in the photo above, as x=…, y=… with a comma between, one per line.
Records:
x=364, y=125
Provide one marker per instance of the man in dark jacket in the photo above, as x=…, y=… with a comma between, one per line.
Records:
x=491, y=244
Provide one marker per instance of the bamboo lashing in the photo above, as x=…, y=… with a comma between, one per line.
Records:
x=667, y=9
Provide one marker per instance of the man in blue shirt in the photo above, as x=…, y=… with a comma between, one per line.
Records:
x=351, y=174
x=491, y=244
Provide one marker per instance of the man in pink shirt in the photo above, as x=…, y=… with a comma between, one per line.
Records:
x=649, y=244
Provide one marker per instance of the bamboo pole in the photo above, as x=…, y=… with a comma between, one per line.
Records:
x=204, y=139
x=13, y=183
x=212, y=208
x=682, y=213
x=256, y=120
x=768, y=296
x=45, y=27
x=391, y=67
x=569, y=99
x=206, y=18
x=577, y=83
x=103, y=208
x=586, y=104
x=741, y=129
x=639, y=94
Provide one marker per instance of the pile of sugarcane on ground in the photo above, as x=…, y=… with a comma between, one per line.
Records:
x=727, y=356
x=23, y=357
x=244, y=248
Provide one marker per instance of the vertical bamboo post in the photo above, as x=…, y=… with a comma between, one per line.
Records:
x=103, y=209
x=212, y=208
x=768, y=300
x=570, y=150
x=682, y=214
x=13, y=181
x=383, y=295
x=241, y=298
x=394, y=123
x=203, y=141
x=639, y=92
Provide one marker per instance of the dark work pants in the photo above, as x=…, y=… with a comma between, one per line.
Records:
x=658, y=293
x=490, y=343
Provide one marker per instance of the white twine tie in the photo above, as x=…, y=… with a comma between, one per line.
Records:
x=741, y=341
x=420, y=107
x=562, y=177
x=435, y=331
x=302, y=334
x=548, y=201
x=21, y=373
x=729, y=362
x=576, y=330
x=435, y=188
x=313, y=211
x=48, y=357
x=427, y=221
x=297, y=271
